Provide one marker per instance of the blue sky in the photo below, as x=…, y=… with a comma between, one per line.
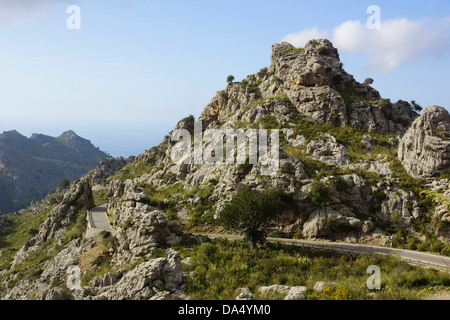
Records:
x=136, y=67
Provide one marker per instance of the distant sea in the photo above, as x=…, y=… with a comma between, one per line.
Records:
x=116, y=138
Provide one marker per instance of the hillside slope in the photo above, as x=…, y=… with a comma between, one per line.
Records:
x=335, y=134
x=30, y=167
x=353, y=164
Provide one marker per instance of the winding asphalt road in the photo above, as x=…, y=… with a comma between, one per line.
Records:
x=413, y=257
x=99, y=221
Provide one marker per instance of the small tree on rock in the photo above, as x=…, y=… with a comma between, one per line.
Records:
x=416, y=106
x=65, y=183
x=368, y=81
x=318, y=193
x=230, y=79
x=253, y=212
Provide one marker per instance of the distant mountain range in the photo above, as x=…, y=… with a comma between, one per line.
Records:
x=31, y=167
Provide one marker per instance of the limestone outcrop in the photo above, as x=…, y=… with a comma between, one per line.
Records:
x=337, y=165
x=425, y=148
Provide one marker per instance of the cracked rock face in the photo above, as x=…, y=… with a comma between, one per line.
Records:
x=151, y=278
x=317, y=86
x=4, y=222
x=329, y=151
x=425, y=148
x=79, y=197
x=107, y=167
x=141, y=229
x=307, y=84
x=442, y=210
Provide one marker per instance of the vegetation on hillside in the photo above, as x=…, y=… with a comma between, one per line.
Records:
x=13, y=237
x=253, y=212
x=345, y=275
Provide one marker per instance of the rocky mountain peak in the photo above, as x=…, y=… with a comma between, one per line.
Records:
x=12, y=135
x=323, y=47
x=314, y=65
x=434, y=121
x=69, y=136
x=30, y=167
x=311, y=82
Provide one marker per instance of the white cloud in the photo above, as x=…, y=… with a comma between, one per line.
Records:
x=397, y=42
x=299, y=39
x=13, y=12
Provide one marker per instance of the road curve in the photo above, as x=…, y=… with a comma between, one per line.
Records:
x=98, y=219
x=413, y=257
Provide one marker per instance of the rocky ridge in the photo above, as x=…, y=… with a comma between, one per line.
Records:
x=337, y=135
x=314, y=81
x=307, y=86
x=144, y=265
x=31, y=167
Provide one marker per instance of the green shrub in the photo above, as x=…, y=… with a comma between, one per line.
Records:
x=334, y=226
x=107, y=238
x=401, y=236
x=65, y=183
x=270, y=122
x=246, y=267
x=33, y=231
x=253, y=212
x=416, y=107
x=323, y=50
x=288, y=168
x=380, y=196
x=368, y=81
x=341, y=185
x=297, y=50
x=254, y=88
x=223, y=96
x=395, y=217
x=319, y=193
x=77, y=229
x=105, y=234
x=127, y=224
x=100, y=196
x=406, y=182
x=277, y=80
x=205, y=251
x=263, y=72
x=244, y=169
x=387, y=106
x=98, y=261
